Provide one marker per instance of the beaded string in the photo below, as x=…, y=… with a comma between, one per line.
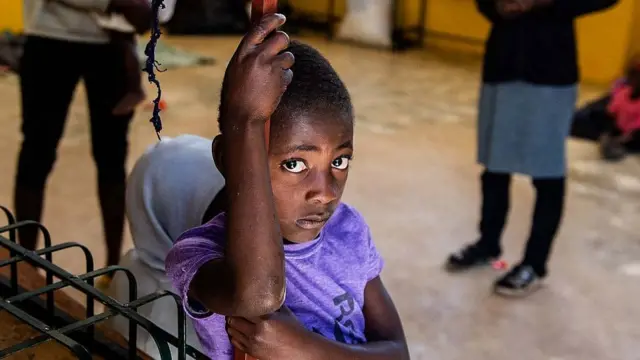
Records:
x=152, y=64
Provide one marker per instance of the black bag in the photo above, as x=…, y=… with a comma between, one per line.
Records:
x=590, y=121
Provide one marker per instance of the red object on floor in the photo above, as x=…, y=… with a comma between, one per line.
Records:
x=499, y=264
x=162, y=105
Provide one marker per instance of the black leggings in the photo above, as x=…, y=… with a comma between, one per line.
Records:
x=50, y=71
x=550, y=193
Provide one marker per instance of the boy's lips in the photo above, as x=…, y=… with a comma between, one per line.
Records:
x=313, y=222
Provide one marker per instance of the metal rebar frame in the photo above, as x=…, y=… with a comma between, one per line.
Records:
x=79, y=336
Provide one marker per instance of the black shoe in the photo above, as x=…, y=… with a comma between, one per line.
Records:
x=522, y=280
x=470, y=256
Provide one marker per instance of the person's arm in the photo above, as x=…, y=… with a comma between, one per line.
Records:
x=574, y=8
x=249, y=281
x=281, y=336
x=385, y=336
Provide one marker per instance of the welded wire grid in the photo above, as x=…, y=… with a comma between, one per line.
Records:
x=84, y=284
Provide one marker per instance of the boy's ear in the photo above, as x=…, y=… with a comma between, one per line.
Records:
x=216, y=152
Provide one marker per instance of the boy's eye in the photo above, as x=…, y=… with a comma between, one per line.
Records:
x=294, y=166
x=341, y=163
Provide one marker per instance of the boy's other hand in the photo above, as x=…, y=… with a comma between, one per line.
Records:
x=276, y=336
x=258, y=73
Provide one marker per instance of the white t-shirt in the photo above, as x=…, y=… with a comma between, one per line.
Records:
x=168, y=192
x=117, y=22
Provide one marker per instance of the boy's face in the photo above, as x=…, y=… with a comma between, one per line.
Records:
x=309, y=164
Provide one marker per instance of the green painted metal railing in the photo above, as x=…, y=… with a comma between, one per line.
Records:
x=66, y=334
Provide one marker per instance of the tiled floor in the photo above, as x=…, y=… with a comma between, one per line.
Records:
x=416, y=138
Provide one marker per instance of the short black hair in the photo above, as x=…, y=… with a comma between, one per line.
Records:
x=315, y=88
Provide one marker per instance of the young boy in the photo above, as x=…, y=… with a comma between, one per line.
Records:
x=123, y=38
x=624, y=109
x=286, y=245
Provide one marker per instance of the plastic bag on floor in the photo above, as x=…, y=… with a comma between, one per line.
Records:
x=368, y=22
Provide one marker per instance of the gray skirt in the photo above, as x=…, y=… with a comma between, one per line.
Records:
x=523, y=128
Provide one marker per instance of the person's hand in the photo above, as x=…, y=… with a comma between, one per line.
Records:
x=137, y=12
x=258, y=73
x=272, y=337
x=513, y=8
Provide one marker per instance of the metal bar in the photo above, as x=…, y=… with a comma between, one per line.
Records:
x=55, y=286
x=12, y=236
x=89, y=322
x=64, y=330
x=133, y=294
x=422, y=22
x=47, y=244
x=182, y=324
x=89, y=267
x=395, y=10
x=331, y=18
x=75, y=347
x=36, y=307
x=163, y=347
x=260, y=8
x=76, y=283
x=160, y=336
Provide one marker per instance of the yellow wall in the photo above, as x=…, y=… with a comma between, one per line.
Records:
x=634, y=48
x=604, y=38
x=603, y=42
x=11, y=15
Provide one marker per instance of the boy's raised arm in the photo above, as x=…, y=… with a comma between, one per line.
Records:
x=250, y=280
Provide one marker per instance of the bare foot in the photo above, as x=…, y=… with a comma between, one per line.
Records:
x=129, y=103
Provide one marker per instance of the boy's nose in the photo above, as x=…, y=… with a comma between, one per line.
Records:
x=324, y=188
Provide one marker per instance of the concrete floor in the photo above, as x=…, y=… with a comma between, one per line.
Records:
x=416, y=138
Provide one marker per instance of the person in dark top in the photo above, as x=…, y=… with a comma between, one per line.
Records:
x=64, y=44
x=526, y=105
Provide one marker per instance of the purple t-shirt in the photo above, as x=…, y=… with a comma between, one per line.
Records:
x=325, y=278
